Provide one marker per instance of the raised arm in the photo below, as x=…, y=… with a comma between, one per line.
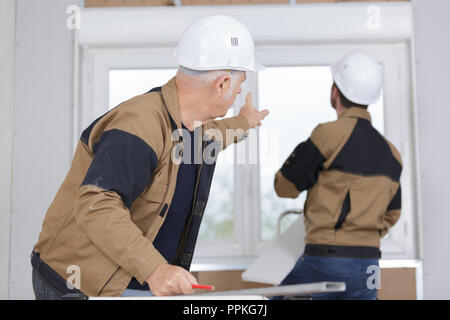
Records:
x=234, y=129
x=301, y=170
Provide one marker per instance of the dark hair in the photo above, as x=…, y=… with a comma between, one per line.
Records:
x=347, y=103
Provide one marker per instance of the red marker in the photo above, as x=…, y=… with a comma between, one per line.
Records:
x=200, y=286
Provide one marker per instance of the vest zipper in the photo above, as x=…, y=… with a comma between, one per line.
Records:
x=101, y=290
x=188, y=224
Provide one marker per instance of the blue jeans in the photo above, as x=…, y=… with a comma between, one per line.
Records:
x=355, y=272
x=137, y=293
x=42, y=290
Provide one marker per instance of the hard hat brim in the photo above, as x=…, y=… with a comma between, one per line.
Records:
x=257, y=67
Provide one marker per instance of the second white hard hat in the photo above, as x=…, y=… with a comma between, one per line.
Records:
x=359, y=78
x=215, y=43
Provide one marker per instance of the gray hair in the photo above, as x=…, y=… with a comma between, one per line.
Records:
x=207, y=76
x=210, y=75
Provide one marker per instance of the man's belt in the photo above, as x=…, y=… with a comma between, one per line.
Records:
x=320, y=250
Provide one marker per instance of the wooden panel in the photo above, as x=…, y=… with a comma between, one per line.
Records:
x=200, y=2
x=127, y=3
x=137, y=3
x=396, y=283
x=227, y=280
x=314, y=1
x=231, y=2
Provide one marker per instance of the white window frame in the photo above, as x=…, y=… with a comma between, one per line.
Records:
x=309, y=35
x=397, y=106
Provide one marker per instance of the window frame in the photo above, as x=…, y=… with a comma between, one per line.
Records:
x=400, y=242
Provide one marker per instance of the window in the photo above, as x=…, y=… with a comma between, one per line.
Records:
x=125, y=84
x=218, y=219
x=242, y=210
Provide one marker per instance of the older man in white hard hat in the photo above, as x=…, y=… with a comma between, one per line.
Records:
x=126, y=219
x=352, y=176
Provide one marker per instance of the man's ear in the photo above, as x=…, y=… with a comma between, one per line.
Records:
x=222, y=85
x=334, y=91
x=334, y=96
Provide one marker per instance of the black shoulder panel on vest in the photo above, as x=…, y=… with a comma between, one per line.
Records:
x=396, y=202
x=157, y=89
x=87, y=132
x=172, y=122
x=123, y=163
x=303, y=165
x=367, y=153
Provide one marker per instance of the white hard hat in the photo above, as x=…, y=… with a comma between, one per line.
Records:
x=215, y=43
x=359, y=78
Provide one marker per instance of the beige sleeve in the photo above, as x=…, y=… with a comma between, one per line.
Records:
x=107, y=223
x=389, y=220
x=228, y=130
x=393, y=212
x=102, y=213
x=283, y=187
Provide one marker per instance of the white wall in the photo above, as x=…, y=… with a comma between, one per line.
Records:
x=42, y=125
x=432, y=46
x=7, y=34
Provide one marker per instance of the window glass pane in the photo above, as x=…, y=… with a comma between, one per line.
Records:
x=218, y=221
x=298, y=99
x=126, y=84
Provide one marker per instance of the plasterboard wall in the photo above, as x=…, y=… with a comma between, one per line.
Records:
x=42, y=124
x=7, y=34
x=432, y=48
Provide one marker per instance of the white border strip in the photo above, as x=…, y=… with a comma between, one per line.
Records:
x=273, y=24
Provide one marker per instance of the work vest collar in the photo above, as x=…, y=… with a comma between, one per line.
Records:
x=170, y=96
x=356, y=112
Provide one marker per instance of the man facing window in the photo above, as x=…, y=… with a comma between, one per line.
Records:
x=352, y=176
